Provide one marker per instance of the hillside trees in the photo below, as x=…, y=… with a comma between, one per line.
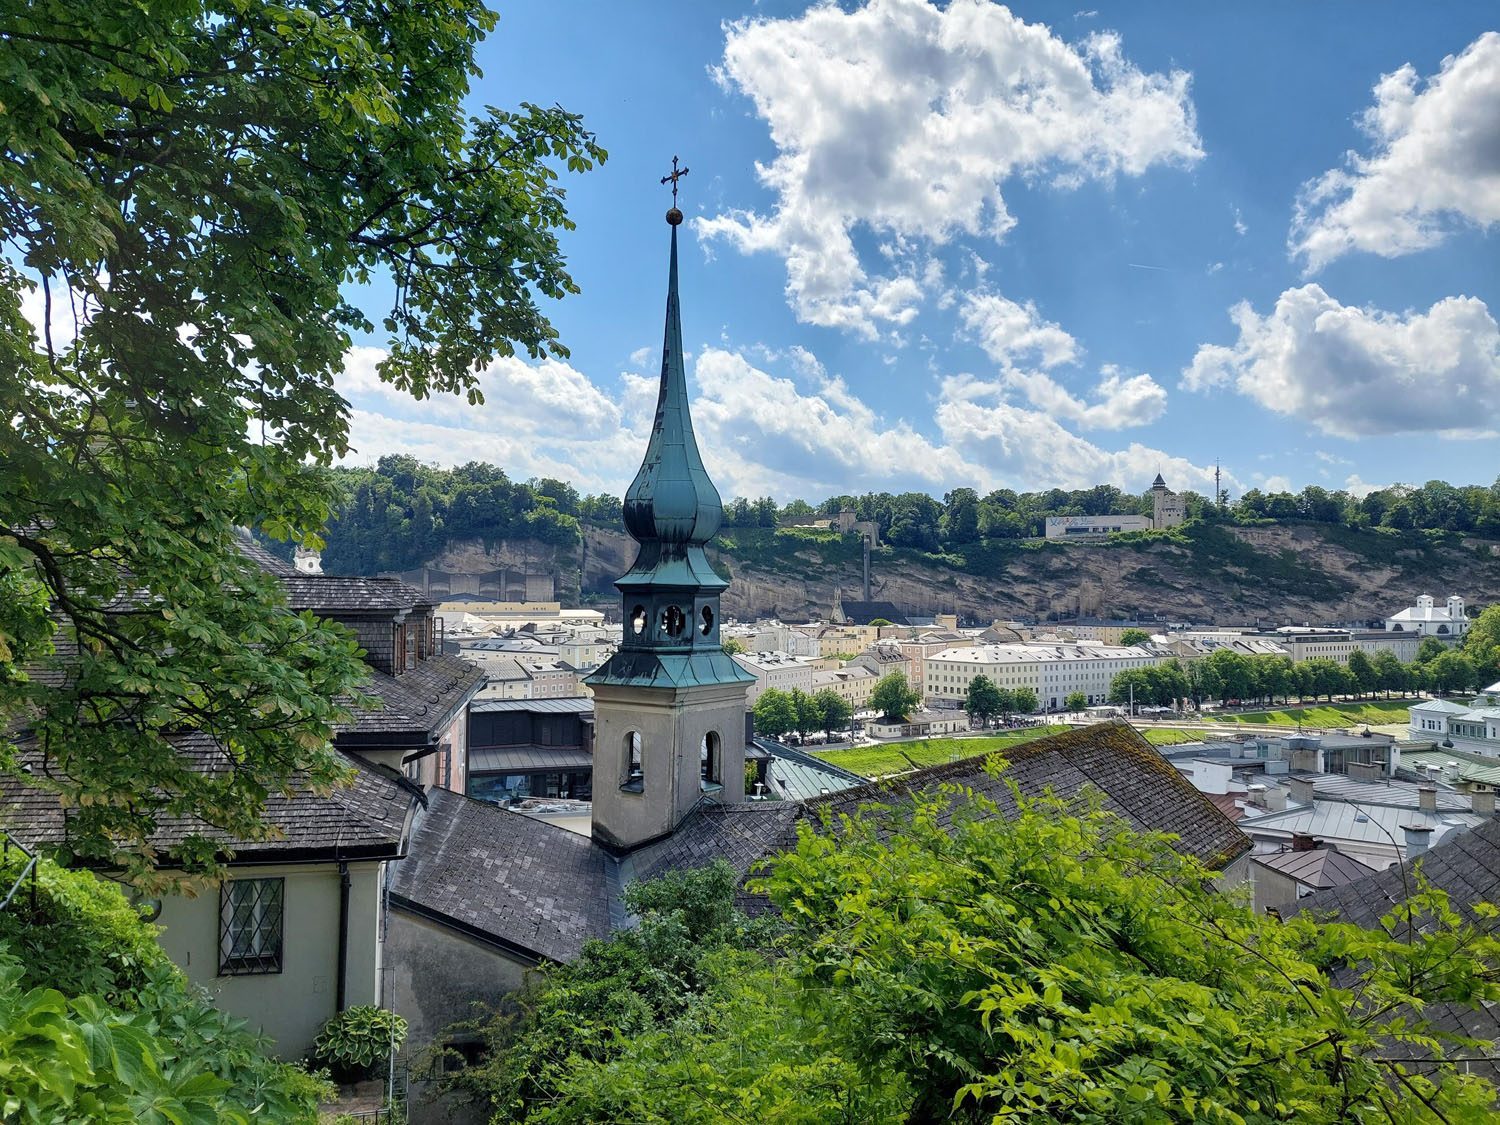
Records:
x=187, y=189
x=942, y=962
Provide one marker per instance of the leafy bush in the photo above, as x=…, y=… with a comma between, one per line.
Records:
x=97, y=1025
x=360, y=1037
x=82, y=936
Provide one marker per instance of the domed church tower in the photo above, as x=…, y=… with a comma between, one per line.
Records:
x=669, y=706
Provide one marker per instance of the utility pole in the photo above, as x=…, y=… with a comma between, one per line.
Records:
x=1218, y=491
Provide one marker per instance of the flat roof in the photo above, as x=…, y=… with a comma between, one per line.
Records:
x=567, y=705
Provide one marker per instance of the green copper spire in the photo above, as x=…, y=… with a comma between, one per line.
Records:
x=672, y=508
x=671, y=593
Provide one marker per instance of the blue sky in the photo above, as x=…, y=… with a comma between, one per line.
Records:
x=1031, y=247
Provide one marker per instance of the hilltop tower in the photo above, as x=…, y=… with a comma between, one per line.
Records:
x=1167, y=509
x=669, y=706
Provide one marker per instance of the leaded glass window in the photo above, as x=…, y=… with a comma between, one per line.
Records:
x=250, y=916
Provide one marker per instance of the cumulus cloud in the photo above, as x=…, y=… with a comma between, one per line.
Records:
x=542, y=419
x=1031, y=449
x=906, y=119
x=1011, y=333
x=802, y=433
x=1026, y=347
x=1434, y=165
x=1353, y=372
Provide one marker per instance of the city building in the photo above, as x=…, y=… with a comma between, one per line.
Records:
x=779, y=670
x=1304, y=643
x=1053, y=671
x=1094, y=527
x=853, y=684
x=1474, y=727
x=1449, y=622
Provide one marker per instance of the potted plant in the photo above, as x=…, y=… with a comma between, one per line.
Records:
x=356, y=1040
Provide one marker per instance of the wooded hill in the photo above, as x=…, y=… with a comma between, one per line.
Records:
x=1280, y=558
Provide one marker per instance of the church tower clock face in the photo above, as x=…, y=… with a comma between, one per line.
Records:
x=669, y=706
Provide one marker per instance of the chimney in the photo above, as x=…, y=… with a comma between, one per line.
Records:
x=1303, y=843
x=1427, y=798
x=1301, y=789
x=1363, y=772
x=1256, y=795
x=1484, y=802
x=1275, y=798
x=1417, y=837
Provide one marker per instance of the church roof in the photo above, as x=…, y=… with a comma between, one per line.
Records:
x=535, y=890
x=1136, y=782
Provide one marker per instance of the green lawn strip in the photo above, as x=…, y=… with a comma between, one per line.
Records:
x=1325, y=715
x=1164, y=736
x=899, y=757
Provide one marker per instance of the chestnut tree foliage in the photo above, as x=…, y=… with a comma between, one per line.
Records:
x=189, y=189
x=942, y=962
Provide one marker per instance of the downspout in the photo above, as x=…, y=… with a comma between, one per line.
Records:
x=343, y=935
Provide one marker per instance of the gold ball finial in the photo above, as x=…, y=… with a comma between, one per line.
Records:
x=674, y=217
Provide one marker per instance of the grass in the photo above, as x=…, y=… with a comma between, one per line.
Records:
x=1323, y=715
x=900, y=757
x=1164, y=736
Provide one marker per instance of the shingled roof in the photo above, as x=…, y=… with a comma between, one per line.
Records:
x=1467, y=866
x=531, y=888
x=1134, y=780
x=366, y=820
x=416, y=704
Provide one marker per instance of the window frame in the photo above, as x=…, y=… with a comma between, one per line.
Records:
x=266, y=929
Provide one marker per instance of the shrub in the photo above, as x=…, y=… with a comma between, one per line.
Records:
x=360, y=1037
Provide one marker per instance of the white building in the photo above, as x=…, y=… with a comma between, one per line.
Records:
x=778, y=670
x=1427, y=620
x=1474, y=728
x=1094, y=527
x=1053, y=671
x=1338, y=644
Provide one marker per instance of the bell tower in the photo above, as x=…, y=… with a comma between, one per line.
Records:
x=669, y=706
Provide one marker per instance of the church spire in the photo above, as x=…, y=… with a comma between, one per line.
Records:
x=669, y=703
x=672, y=500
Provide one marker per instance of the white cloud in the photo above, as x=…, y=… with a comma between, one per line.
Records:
x=1435, y=165
x=1019, y=340
x=1119, y=401
x=1239, y=224
x=1012, y=333
x=1354, y=372
x=544, y=419
x=641, y=357
x=1359, y=489
x=1030, y=449
x=806, y=433
x=907, y=119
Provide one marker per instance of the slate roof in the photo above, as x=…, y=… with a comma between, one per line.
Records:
x=1137, y=784
x=417, y=703
x=1317, y=867
x=251, y=548
x=534, y=889
x=1467, y=866
x=367, y=819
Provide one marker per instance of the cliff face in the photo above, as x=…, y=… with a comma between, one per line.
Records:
x=1227, y=574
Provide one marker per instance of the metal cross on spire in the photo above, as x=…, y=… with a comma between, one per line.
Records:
x=674, y=177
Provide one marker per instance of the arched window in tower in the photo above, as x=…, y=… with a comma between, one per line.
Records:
x=638, y=620
x=708, y=621
x=673, y=621
x=711, y=762
x=634, y=767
